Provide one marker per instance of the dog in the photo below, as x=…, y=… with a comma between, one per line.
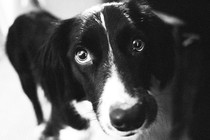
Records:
x=106, y=71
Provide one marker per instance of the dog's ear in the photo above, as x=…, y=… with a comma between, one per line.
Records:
x=55, y=49
x=56, y=71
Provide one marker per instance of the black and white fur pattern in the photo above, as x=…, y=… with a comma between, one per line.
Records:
x=89, y=67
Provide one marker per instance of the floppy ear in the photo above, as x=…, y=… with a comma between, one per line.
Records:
x=57, y=78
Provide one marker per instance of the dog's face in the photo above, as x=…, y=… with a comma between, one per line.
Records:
x=112, y=52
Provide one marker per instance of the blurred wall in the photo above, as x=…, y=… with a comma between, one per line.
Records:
x=10, y=9
x=68, y=8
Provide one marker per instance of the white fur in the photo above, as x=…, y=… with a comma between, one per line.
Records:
x=37, y=135
x=94, y=131
x=98, y=8
x=114, y=93
x=103, y=21
x=46, y=109
x=45, y=104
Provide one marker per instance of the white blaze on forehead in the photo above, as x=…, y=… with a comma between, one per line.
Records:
x=114, y=92
x=98, y=8
x=103, y=21
x=114, y=85
x=110, y=53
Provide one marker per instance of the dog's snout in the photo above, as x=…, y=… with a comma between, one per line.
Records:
x=128, y=119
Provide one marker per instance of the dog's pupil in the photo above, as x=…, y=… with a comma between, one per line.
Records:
x=82, y=54
x=138, y=45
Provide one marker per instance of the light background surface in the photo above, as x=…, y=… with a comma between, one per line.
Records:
x=17, y=118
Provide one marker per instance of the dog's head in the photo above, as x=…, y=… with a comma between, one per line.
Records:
x=109, y=55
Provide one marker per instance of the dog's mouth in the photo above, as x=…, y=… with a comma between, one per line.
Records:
x=110, y=130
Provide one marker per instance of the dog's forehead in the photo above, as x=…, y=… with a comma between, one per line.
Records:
x=116, y=16
x=108, y=13
x=99, y=8
x=98, y=22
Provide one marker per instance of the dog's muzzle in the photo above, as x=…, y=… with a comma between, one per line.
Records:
x=138, y=116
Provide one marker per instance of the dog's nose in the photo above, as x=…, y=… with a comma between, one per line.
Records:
x=128, y=119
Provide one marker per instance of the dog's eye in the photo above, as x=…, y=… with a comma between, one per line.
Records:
x=83, y=57
x=138, y=45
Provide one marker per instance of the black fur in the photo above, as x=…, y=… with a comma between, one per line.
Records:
x=28, y=32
